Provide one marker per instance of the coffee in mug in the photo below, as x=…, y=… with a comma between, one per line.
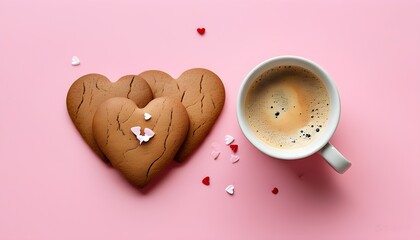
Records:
x=287, y=107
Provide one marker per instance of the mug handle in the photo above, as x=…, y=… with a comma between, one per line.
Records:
x=334, y=158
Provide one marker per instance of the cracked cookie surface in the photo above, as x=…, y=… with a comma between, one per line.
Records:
x=89, y=91
x=140, y=163
x=203, y=95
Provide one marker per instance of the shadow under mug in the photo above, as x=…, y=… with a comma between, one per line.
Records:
x=334, y=158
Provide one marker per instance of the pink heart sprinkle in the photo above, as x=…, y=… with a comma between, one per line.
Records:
x=234, y=158
x=215, y=154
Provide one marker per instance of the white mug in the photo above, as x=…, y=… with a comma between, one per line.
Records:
x=321, y=145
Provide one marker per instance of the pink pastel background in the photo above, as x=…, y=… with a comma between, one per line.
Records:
x=52, y=186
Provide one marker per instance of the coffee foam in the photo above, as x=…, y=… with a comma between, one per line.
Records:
x=287, y=107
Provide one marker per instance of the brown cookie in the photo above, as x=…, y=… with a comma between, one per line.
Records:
x=139, y=163
x=203, y=95
x=89, y=91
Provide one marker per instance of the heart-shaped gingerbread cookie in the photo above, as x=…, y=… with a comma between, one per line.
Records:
x=203, y=95
x=89, y=91
x=137, y=147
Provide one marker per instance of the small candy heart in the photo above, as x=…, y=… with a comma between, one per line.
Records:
x=206, y=181
x=149, y=132
x=136, y=130
x=75, y=61
x=229, y=139
x=201, y=31
x=215, y=154
x=230, y=189
x=275, y=190
x=234, y=147
x=147, y=116
x=234, y=158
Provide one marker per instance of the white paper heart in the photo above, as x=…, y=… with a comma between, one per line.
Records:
x=234, y=158
x=75, y=61
x=148, y=134
x=230, y=189
x=229, y=139
x=215, y=154
x=147, y=116
x=136, y=130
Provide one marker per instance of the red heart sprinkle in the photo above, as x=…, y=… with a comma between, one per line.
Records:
x=234, y=147
x=275, y=190
x=206, y=181
x=201, y=31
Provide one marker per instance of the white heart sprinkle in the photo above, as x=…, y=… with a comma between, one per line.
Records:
x=75, y=61
x=230, y=189
x=215, y=154
x=234, y=158
x=147, y=116
x=229, y=139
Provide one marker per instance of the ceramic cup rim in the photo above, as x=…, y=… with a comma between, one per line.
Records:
x=333, y=117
